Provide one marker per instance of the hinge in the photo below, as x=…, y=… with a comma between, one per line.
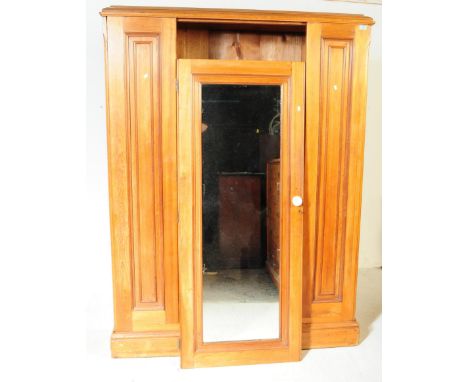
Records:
x=177, y=85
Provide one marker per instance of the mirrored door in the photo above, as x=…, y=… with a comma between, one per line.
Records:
x=240, y=160
x=240, y=138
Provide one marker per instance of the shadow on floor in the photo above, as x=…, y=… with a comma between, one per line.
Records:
x=369, y=299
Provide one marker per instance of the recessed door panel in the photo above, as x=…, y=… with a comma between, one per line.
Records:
x=142, y=176
x=240, y=137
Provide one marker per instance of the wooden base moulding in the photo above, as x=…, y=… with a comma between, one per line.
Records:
x=145, y=344
x=329, y=335
x=156, y=344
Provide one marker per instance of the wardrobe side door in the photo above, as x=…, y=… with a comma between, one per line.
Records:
x=335, y=126
x=141, y=125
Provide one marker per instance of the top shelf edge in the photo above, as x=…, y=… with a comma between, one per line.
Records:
x=236, y=15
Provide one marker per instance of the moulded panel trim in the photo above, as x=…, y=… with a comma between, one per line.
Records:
x=145, y=171
x=333, y=167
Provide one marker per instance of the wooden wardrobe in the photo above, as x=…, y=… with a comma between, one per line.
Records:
x=152, y=56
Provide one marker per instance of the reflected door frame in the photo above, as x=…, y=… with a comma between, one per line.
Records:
x=192, y=74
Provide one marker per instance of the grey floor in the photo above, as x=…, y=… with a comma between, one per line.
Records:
x=239, y=285
x=360, y=363
x=239, y=304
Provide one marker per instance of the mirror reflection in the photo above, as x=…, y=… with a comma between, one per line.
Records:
x=240, y=191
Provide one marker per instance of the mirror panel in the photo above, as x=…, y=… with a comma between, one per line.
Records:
x=240, y=211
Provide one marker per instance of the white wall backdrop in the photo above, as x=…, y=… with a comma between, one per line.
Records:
x=99, y=243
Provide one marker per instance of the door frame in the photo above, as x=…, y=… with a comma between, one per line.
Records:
x=291, y=77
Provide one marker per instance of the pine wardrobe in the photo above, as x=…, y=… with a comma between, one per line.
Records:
x=235, y=159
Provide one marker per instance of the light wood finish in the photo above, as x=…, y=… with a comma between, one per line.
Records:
x=336, y=82
x=312, y=123
x=146, y=174
x=255, y=46
x=142, y=158
x=329, y=335
x=228, y=45
x=140, y=74
x=290, y=76
x=243, y=25
x=192, y=43
x=240, y=15
x=146, y=344
x=332, y=162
